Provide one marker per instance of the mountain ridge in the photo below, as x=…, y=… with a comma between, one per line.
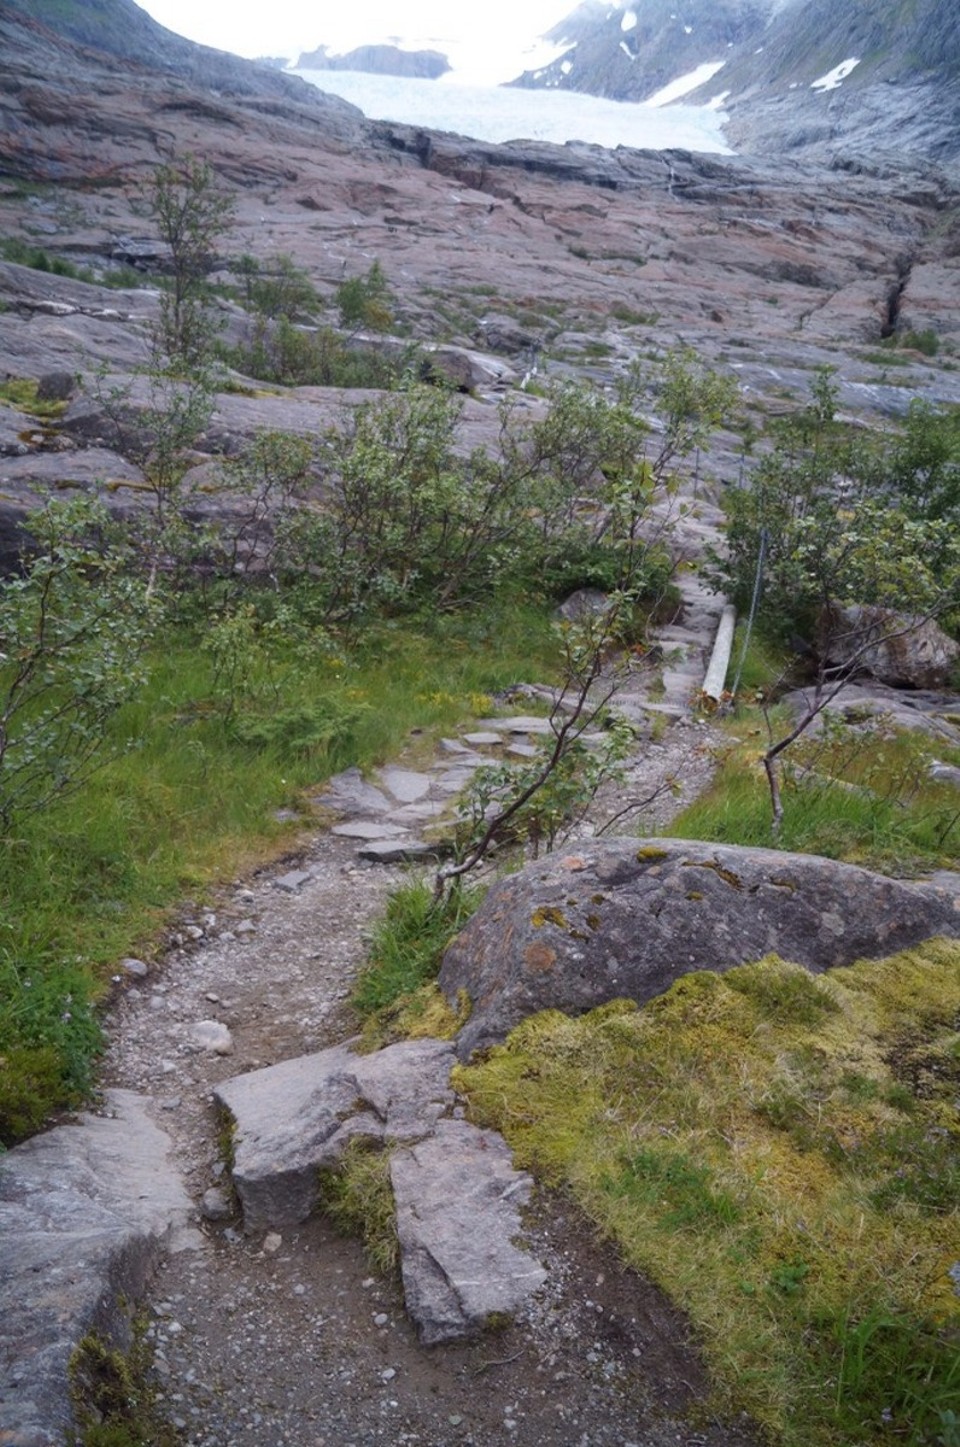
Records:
x=777, y=60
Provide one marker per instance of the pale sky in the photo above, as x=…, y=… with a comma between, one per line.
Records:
x=482, y=38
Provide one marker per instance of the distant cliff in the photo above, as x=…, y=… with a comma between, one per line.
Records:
x=631, y=53
x=793, y=74
x=379, y=60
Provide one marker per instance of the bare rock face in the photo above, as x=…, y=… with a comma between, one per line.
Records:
x=625, y=919
x=865, y=705
x=85, y=1211
x=458, y=1211
x=892, y=648
x=457, y=1195
x=379, y=60
x=295, y=1118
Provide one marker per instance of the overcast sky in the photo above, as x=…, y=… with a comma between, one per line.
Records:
x=466, y=33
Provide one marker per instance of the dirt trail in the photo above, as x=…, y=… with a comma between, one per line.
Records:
x=292, y=1339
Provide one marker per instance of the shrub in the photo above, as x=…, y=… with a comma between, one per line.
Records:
x=73, y=627
x=364, y=301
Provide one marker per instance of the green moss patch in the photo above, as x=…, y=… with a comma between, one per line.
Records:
x=780, y=1152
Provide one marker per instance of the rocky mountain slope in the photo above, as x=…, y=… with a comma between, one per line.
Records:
x=582, y=257
x=630, y=52
x=379, y=60
x=774, y=62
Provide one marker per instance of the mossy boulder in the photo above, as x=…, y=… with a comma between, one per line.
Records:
x=626, y=918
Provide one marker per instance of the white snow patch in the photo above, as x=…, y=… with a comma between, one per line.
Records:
x=688, y=30
x=715, y=102
x=566, y=66
x=627, y=51
x=684, y=84
x=629, y=20
x=832, y=79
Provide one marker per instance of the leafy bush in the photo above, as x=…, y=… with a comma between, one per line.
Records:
x=277, y=288
x=73, y=627
x=293, y=356
x=364, y=301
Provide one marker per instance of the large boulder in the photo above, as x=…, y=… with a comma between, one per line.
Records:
x=896, y=649
x=626, y=918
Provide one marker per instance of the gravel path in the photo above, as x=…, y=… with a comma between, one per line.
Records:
x=289, y=1338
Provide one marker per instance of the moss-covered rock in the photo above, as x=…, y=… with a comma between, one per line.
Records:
x=627, y=919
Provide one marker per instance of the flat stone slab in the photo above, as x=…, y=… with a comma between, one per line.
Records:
x=452, y=781
x=453, y=746
x=458, y=1202
x=484, y=738
x=292, y=881
x=524, y=751
x=398, y=851
x=418, y=813
x=671, y=710
x=85, y=1211
x=370, y=829
x=519, y=724
x=406, y=785
x=295, y=1118
x=349, y=793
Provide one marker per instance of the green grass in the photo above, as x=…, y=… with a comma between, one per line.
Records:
x=408, y=943
x=21, y=393
x=781, y=1154
x=115, y=1396
x=863, y=795
x=95, y=876
x=23, y=253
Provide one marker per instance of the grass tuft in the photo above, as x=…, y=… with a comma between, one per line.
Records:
x=358, y=1198
x=408, y=943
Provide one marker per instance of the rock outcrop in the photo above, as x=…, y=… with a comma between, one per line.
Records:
x=294, y=1119
x=379, y=60
x=897, y=650
x=825, y=76
x=629, y=917
x=456, y=1193
x=85, y=1212
x=458, y=1202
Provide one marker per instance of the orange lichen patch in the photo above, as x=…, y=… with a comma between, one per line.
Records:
x=539, y=957
x=573, y=862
